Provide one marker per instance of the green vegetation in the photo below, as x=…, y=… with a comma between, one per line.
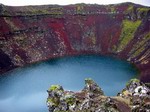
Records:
x=142, y=11
x=130, y=8
x=88, y=81
x=70, y=99
x=114, y=47
x=35, y=11
x=138, y=52
x=140, y=45
x=128, y=30
x=132, y=80
x=54, y=87
x=135, y=80
x=53, y=101
x=79, y=8
x=113, y=9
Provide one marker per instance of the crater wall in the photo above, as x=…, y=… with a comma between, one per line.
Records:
x=30, y=34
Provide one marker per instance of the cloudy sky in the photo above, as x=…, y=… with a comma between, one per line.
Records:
x=65, y=2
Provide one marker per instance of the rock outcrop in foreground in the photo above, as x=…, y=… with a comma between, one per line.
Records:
x=30, y=34
x=135, y=97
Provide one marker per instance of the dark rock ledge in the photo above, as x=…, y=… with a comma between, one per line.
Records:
x=135, y=97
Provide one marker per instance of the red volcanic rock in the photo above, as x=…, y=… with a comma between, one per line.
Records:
x=30, y=34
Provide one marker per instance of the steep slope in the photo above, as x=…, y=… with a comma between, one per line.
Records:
x=29, y=34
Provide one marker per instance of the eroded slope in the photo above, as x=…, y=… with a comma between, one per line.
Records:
x=33, y=33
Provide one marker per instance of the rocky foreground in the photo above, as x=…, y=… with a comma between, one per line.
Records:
x=135, y=97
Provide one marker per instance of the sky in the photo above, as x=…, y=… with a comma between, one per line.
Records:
x=65, y=2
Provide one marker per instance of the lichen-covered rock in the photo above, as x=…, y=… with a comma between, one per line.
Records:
x=135, y=97
x=55, y=93
x=92, y=88
x=139, y=95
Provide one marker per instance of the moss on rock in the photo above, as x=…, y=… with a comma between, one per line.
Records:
x=127, y=34
x=88, y=100
x=139, y=47
x=55, y=87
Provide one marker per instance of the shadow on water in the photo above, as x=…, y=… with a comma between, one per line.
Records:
x=24, y=89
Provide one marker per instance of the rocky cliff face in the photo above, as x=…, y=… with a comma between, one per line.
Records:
x=133, y=98
x=30, y=34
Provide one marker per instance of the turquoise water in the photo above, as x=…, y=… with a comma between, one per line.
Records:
x=24, y=89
